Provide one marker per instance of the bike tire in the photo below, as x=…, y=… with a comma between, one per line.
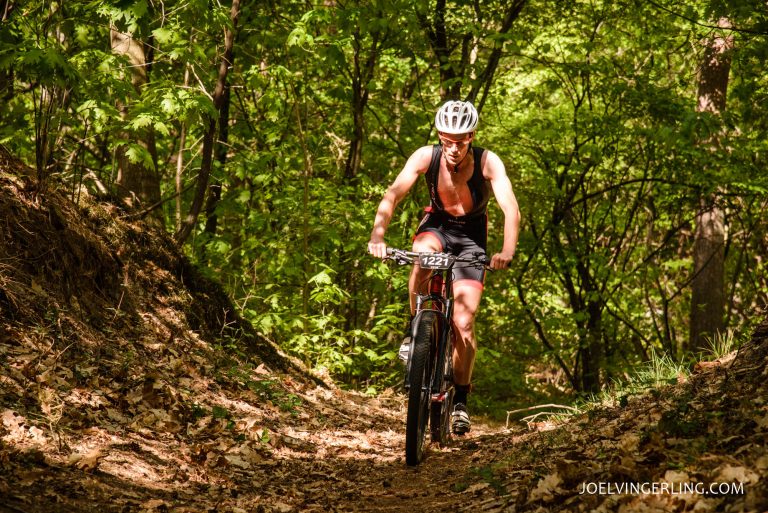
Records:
x=440, y=420
x=440, y=414
x=419, y=393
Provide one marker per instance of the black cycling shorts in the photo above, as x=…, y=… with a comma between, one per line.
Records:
x=461, y=237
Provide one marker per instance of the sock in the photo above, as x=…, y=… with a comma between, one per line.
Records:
x=461, y=394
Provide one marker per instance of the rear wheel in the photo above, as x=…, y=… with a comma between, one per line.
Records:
x=419, y=394
x=440, y=419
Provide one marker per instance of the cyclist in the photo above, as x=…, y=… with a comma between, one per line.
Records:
x=460, y=179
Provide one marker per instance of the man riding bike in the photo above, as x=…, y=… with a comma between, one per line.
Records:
x=460, y=179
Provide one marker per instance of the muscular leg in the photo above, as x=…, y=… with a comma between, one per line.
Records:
x=467, y=294
x=424, y=242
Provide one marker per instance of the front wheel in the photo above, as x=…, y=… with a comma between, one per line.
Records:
x=440, y=411
x=419, y=393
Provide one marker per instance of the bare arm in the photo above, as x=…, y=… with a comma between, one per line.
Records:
x=502, y=188
x=417, y=164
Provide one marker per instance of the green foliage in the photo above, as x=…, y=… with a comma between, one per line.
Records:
x=592, y=109
x=722, y=344
x=658, y=371
x=265, y=387
x=651, y=376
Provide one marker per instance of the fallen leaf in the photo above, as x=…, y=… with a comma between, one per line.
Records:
x=477, y=487
x=236, y=460
x=154, y=504
x=629, y=443
x=731, y=474
x=762, y=422
x=673, y=476
x=88, y=461
x=546, y=488
x=12, y=420
x=37, y=288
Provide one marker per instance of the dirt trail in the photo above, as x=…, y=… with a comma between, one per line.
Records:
x=342, y=453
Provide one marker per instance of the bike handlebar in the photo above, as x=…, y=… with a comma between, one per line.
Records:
x=402, y=257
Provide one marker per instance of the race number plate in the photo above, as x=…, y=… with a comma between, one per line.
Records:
x=435, y=260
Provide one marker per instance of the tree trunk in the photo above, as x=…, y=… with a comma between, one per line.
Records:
x=6, y=75
x=483, y=82
x=138, y=184
x=592, y=354
x=362, y=74
x=209, y=138
x=180, y=162
x=214, y=191
x=708, y=285
x=6, y=85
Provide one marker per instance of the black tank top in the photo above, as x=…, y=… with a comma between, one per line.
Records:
x=479, y=188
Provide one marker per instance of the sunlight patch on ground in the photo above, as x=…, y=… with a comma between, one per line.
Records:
x=21, y=433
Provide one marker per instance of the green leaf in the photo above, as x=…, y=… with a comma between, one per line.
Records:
x=321, y=278
x=141, y=121
x=163, y=35
x=138, y=154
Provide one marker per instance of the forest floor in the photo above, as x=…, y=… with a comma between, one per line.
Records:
x=128, y=384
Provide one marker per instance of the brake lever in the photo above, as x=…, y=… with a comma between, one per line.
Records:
x=397, y=257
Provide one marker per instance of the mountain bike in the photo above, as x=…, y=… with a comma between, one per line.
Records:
x=429, y=366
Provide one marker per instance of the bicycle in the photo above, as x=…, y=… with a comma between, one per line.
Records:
x=429, y=366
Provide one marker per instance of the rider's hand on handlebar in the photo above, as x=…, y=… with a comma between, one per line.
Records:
x=501, y=260
x=377, y=249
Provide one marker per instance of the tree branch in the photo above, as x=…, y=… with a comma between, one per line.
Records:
x=706, y=25
x=485, y=80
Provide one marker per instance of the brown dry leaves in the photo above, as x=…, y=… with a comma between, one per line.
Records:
x=709, y=430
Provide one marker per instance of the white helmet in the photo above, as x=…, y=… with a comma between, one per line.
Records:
x=456, y=118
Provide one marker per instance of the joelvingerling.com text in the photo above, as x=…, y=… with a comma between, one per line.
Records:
x=607, y=488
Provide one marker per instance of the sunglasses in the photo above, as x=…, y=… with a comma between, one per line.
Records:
x=460, y=144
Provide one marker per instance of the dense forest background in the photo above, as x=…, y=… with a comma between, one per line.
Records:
x=262, y=134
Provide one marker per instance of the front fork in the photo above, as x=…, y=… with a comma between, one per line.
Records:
x=441, y=356
x=435, y=301
x=414, y=326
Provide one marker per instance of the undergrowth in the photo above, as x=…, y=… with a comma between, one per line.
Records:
x=659, y=371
